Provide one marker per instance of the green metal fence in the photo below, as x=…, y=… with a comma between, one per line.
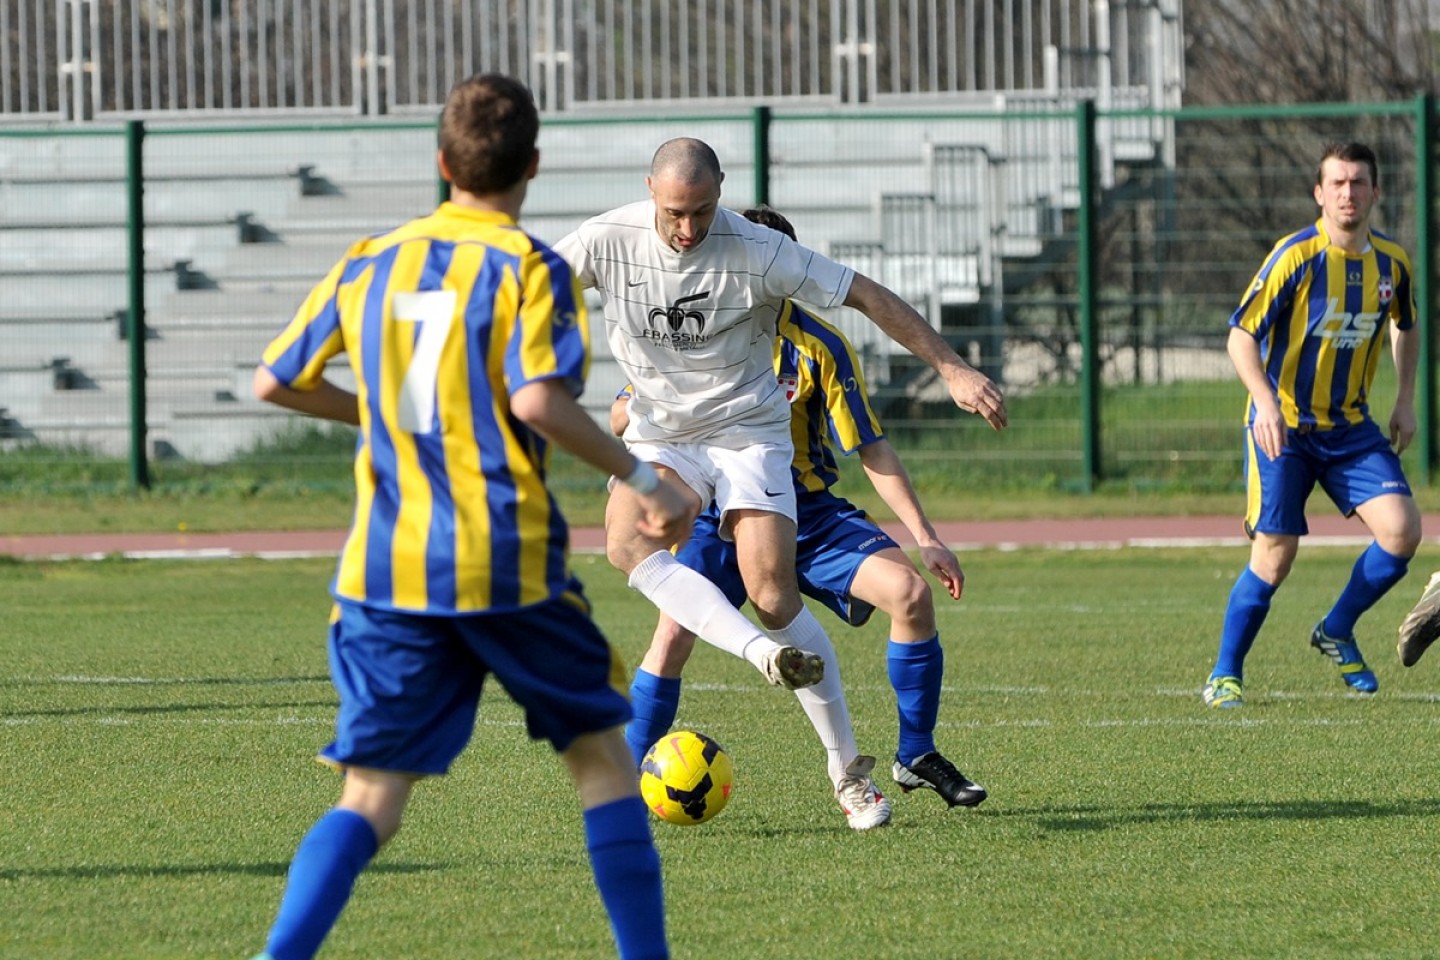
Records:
x=1086, y=259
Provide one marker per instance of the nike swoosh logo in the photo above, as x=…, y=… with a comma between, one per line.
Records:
x=770, y=493
x=635, y=283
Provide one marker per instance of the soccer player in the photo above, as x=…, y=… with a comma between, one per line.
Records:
x=1305, y=341
x=845, y=560
x=469, y=346
x=691, y=294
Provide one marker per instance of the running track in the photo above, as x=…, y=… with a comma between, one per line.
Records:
x=1108, y=533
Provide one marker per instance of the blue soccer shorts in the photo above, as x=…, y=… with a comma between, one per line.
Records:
x=1352, y=465
x=833, y=538
x=410, y=685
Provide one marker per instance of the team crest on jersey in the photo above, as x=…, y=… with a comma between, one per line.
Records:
x=1386, y=292
x=790, y=385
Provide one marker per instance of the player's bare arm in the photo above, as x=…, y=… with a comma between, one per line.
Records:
x=326, y=401
x=547, y=407
x=891, y=481
x=1405, y=348
x=1268, y=428
x=969, y=388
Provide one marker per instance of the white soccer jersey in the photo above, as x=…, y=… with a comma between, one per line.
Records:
x=694, y=331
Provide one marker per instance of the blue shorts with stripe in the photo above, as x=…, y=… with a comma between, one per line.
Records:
x=1352, y=465
x=833, y=537
x=410, y=684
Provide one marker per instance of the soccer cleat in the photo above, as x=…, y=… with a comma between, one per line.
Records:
x=1421, y=626
x=1346, y=655
x=865, y=807
x=793, y=668
x=934, y=772
x=1223, y=692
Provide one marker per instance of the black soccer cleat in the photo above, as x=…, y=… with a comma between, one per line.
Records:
x=934, y=772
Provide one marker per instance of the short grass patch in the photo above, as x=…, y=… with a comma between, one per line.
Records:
x=159, y=718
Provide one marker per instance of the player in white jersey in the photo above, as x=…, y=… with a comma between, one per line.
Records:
x=691, y=293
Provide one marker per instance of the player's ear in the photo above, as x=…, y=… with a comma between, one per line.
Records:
x=534, y=166
x=444, y=167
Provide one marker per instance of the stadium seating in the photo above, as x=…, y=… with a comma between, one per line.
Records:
x=240, y=224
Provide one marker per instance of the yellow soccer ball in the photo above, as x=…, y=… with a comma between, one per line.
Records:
x=686, y=778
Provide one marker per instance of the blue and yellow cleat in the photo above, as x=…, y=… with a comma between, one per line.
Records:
x=1223, y=692
x=1346, y=655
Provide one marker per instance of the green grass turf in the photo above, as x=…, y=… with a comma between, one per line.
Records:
x=159, y=719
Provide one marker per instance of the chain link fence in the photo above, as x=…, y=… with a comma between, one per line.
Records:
x=978, y=219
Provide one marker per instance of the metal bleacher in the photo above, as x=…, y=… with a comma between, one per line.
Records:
x=938, y=186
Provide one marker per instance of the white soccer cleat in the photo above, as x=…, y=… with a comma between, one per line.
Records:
x=865, y=806
x=793, y=668
x=1422, y=626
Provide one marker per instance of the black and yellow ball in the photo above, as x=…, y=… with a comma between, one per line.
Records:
x=686, y=778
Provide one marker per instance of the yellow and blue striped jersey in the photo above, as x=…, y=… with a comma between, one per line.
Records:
x=442, y=319
x=1320, y=315
x=829, y=404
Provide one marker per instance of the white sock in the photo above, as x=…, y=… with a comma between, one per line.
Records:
x=700, y=607
x=824, y=703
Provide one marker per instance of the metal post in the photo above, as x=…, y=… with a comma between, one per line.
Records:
x=760, y=124
x=1424, y=276
x=73, y=47
x=1086, y=265
x=135, y=234
x=374, y=106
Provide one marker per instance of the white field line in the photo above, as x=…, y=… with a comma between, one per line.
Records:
x=1203, y=718
x=1007, y=546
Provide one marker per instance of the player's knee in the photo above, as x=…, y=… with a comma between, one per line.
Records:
x=625, y=553
x=1404, y=543
x=777, y=609
x=909, y=600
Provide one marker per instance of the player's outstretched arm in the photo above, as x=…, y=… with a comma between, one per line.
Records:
x=326, y=400
x=888, y=476
x=969, y=388
x=547, y=407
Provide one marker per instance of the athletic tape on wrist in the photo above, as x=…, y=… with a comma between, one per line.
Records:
x=643, y=479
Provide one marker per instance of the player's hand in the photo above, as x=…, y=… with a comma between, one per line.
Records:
x=976, y=393
x=1268, y=429
x=1403, y=425
x=942, y=563
x=665, y=514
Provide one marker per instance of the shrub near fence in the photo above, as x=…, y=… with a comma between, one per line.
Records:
x=1099, y=302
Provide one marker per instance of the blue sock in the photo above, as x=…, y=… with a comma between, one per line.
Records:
x=627, y=874
x=916, y=670
x=655, y=701
x=1375, y=572
x=322, y=875
x=1245, y=614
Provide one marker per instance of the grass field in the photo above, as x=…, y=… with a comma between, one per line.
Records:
x=159, y=718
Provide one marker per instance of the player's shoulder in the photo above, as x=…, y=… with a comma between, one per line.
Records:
x=811, y=333
x=732, y=230
x=619, y=221
x=1294, y=250
x=1387, y=245
x=795, y=320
